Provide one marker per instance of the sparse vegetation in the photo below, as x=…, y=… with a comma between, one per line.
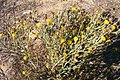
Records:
x=59, y=48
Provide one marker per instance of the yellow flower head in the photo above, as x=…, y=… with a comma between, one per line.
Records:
x=1, y=34
x=103, y=38
x=75, y=39
x=108, y=41
x=25, y=58
x=74, y=9
x=113, y=27
x=106, y=22
x=47, y=65
x=69, y=42
x=90, y=49
x=82, y=36
x=23, y=72
x=36, y=33
x=62, y=40
x=54, y=37
x=76, y=55
x=24, y=22
x=64, y=54
x=38, y=25
x=87, y=28
x=13, y=34
x=49, y=21
x=52, y=54
x=62, y=28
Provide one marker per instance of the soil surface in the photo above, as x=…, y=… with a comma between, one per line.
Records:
x=19, y=7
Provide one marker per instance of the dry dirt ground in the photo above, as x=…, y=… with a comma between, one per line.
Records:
x=48, y=6
x=8, y=7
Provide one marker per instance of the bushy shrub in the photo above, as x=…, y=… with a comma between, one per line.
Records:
x=74, y=36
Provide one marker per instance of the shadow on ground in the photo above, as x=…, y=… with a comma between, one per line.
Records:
x=112, y=59
x=106, y=65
